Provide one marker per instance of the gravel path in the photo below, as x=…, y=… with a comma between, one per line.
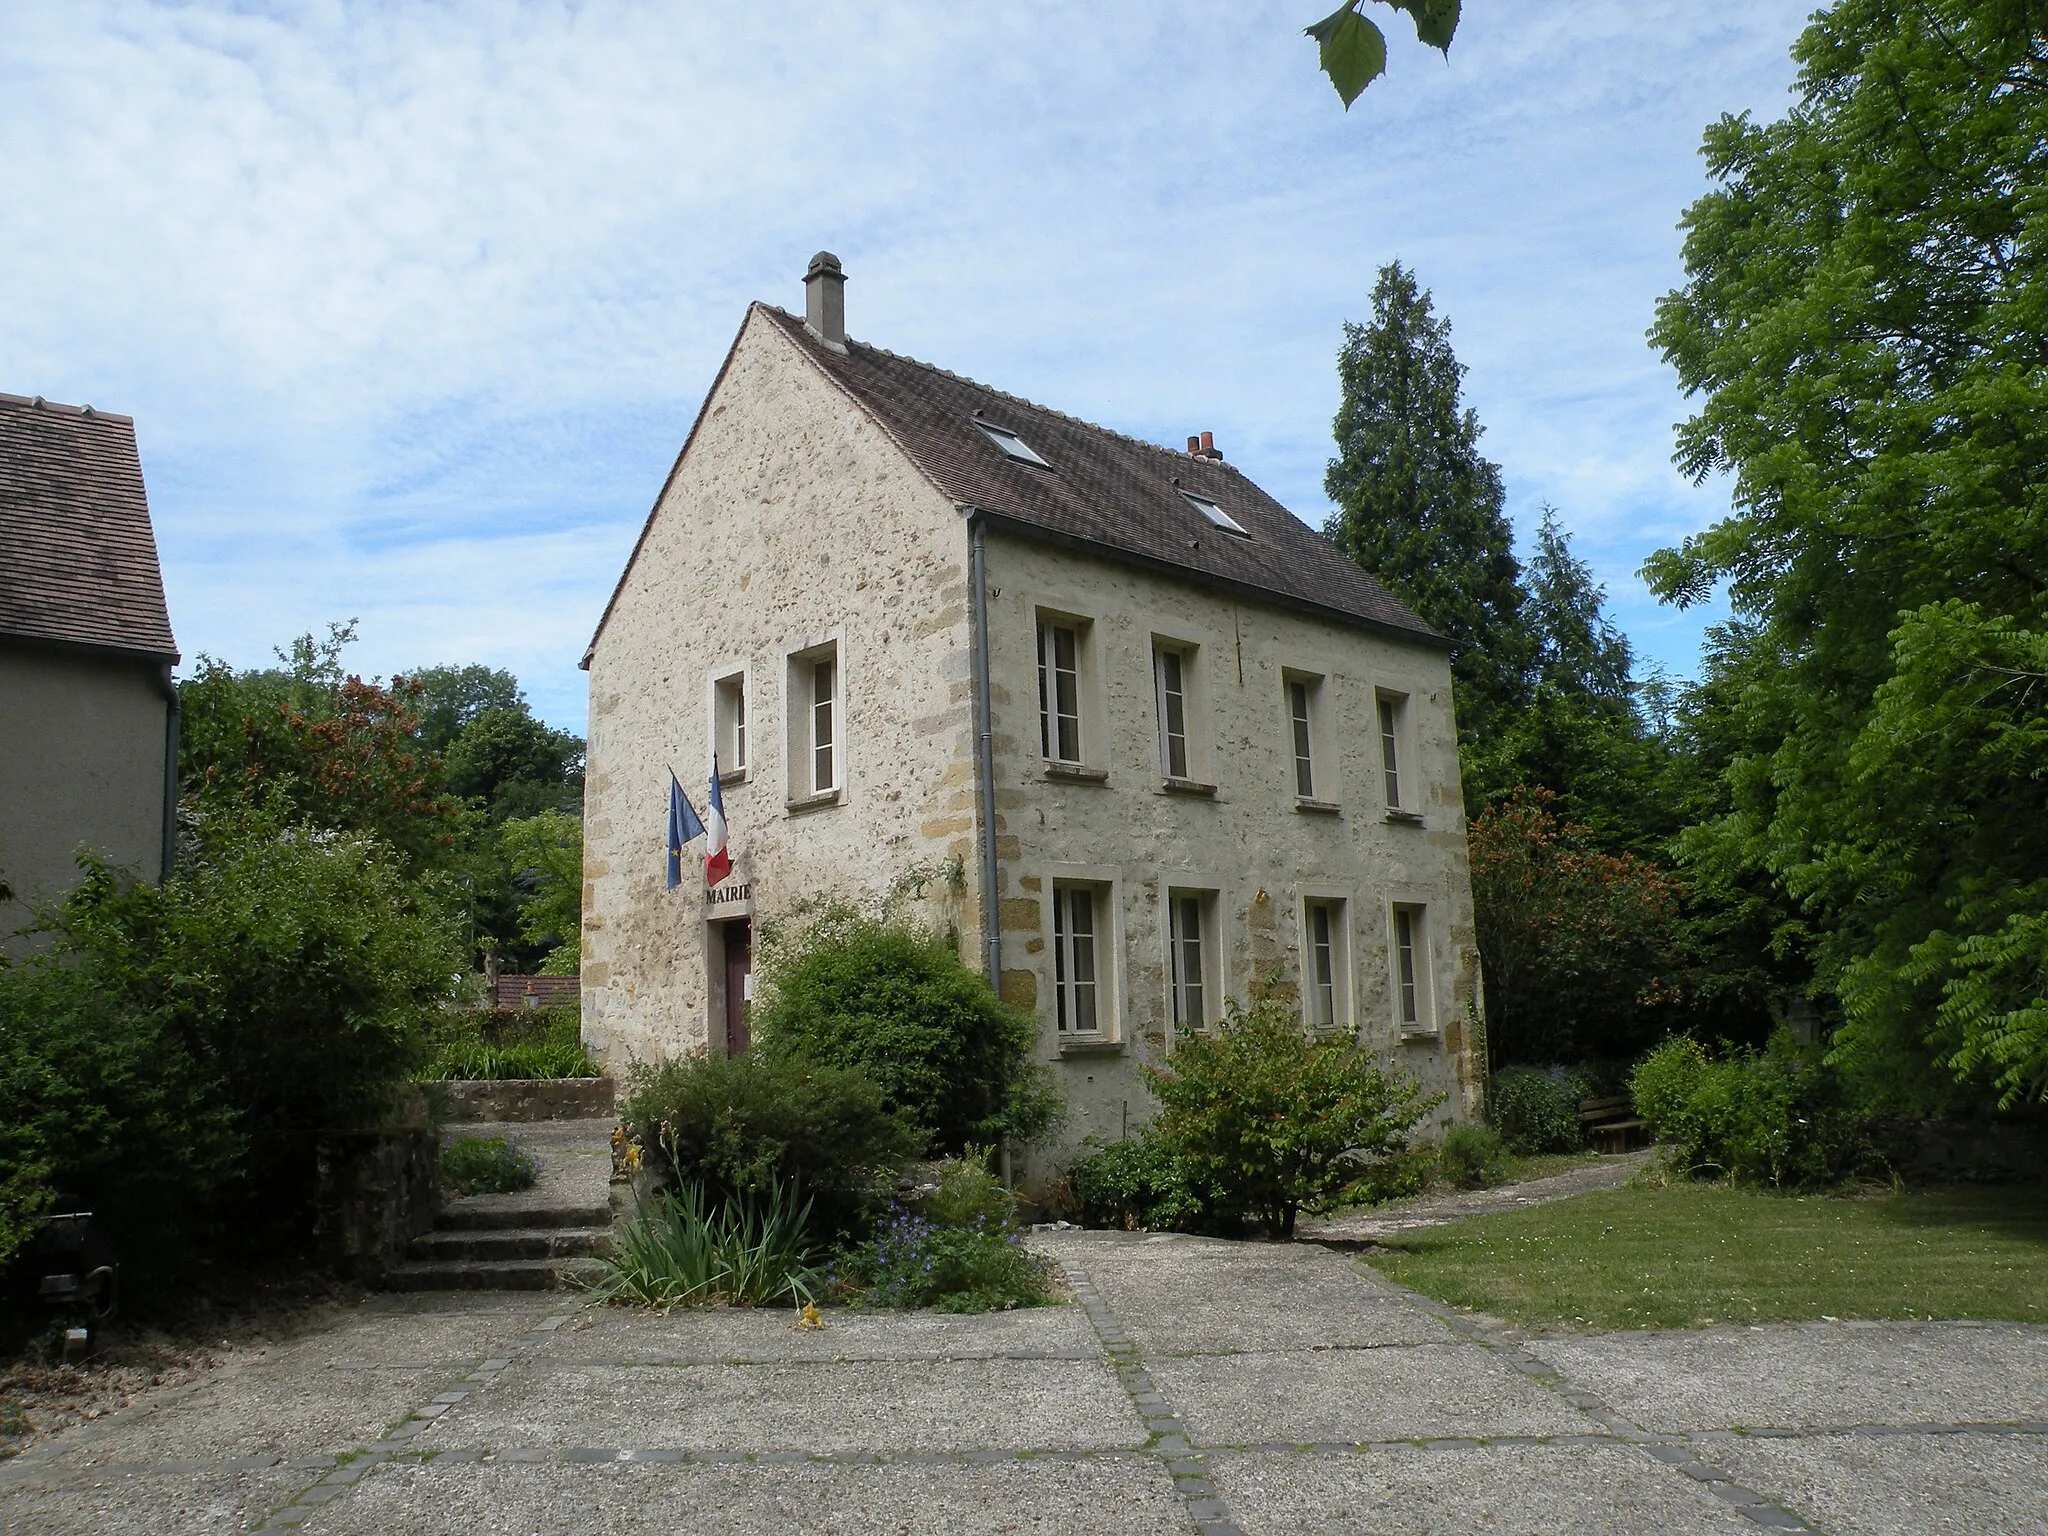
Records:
x=1198, y=1386
x=1375, y=1222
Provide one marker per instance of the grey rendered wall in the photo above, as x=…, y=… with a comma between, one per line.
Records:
x=792, y=519
x=81, y=764
x=1248, y=842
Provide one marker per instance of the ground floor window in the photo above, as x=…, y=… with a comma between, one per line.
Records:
x=1077, y=912
x=1412, y=1010
x=1190, y=923
x=1326, y=1000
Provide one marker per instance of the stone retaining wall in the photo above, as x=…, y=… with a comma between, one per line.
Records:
x=524, y=1099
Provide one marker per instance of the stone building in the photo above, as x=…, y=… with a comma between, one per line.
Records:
x=1106, y=710
x=88, y=712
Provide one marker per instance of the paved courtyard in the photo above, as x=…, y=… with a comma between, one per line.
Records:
x=1197, y=1386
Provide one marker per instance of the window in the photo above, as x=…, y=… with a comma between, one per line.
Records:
x=1304, y=754
x=1390, y=748
x=1013, y=446
x=1059, y=690
x=1327, y=973
x=1216, y=515
x=824, y=744
x=817, y=725
x=1171, y=667
x=731, y=709
x=1412, y=1006
x=1075, y=984
x=1188, y=931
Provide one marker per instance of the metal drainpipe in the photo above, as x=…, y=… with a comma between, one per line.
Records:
x=991, y=874
x=170, y=828
x=985, y=754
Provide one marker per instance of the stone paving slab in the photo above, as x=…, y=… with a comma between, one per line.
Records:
x=1903, y=1485
x=1420, y=1391
x=1188, y=1297
x=856, y=1406
x=1501, y=1490
x=1103, y=1496
x=738, y=1334
x=198, y=1503
x=1812, y=1374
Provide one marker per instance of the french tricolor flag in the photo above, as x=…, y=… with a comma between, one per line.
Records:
x=717, y=858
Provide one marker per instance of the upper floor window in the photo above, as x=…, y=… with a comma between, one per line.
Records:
x=1170, y=666
x=817, y=733
x=1392, y=708
x=1059, y=689
x=731, y=711
x=1013, y=446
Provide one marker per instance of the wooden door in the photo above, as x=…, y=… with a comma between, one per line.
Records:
x=739, y=983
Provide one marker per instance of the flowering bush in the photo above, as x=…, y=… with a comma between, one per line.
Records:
x=1577, y=945
x=913, y=1261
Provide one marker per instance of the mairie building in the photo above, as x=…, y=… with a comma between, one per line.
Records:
x=1105, y=711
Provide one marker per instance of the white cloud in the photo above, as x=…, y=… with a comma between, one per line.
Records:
x=413, y=302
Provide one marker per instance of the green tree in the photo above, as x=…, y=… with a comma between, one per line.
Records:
x=1864, y=321
x=506, y=763
x=451, y=696
x=1418, y=506
x=545, y=852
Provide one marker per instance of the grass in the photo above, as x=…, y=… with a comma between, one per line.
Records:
x=486, y=1165
x=1694, y=1254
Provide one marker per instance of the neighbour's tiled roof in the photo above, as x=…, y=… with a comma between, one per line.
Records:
x=1102, y=490
x=77, y=554
x=546, y=991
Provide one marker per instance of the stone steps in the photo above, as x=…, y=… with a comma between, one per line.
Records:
x=546, y=1238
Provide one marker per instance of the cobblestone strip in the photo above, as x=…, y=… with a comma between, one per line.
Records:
x=1679, y=1451
x=1169, y=1437
x=398, y=1440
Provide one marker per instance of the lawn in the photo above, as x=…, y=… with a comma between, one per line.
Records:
x=1692, y=1254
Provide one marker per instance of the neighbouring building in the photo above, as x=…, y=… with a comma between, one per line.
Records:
x=1136, y=734
x=88, y=711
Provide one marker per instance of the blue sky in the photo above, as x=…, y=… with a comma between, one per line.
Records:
x=414, y=302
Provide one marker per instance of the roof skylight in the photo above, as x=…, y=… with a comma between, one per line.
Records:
x=1217, y=515
x=1013, y=446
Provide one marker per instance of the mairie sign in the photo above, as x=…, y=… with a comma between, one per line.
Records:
x=733, y=894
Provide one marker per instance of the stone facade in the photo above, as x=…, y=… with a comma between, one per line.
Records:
x=829, y=538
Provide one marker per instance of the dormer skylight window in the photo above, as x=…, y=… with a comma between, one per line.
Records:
x=1013, y=446
x=1217, y=515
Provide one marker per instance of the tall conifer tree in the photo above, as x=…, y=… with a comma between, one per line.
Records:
x=1418, y=506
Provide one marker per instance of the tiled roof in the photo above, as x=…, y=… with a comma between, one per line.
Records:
x=1103, y=490
x=77, y=554
x=546, y=991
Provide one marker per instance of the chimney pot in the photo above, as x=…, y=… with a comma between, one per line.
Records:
x=825, y=300
x=1194, y=444
x=1209, y=446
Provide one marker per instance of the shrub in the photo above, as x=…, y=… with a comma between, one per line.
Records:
x=171, y=1050
x=1275, y=1118
x=681, y=1249
x=1138, y=1184
x=969, y=1192
x=1472, y=1156
x=486, y=1165
x=895, y=1001
x=913, y=1261
x=1535, y=1111
x=1775, y=1118
x=744, y=1126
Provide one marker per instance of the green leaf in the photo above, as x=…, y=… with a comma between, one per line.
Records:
x=1436, y=21
x=1353, y=52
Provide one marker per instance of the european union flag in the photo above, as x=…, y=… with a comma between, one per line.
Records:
x=683, y=827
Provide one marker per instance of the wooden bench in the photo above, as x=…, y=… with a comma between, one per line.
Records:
x=1611, y=1125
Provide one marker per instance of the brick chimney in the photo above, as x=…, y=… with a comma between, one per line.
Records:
x=1204, y=447
x=825, y=300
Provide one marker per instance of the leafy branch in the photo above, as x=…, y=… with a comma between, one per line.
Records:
x=1353, y=50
